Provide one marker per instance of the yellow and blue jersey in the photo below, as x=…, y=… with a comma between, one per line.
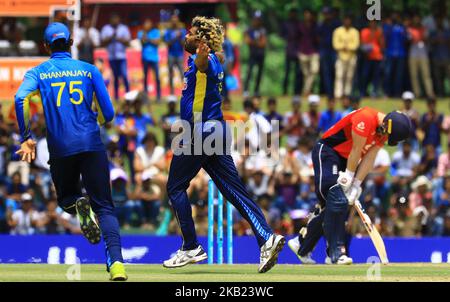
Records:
x=201, y=96
x=67, y=89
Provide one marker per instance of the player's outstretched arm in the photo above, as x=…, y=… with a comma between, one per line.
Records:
x=103, y=101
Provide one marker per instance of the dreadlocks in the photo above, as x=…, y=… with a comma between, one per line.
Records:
x=210, y=30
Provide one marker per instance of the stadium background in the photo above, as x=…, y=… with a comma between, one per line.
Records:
x=419, y=222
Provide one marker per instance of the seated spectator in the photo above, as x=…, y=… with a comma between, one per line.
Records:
x=293, y=124
x=421, y=191
x=149, y=157
x=375, y=184
x=428, y=161
x=49, y=221
x=124, y=207
x=15, y=189
x=446, y=231
x=312, y=116
x=23, y=220
x=329, y=117
x=404, y=162
x=272, y=113
x=142, y=120
x=150, y=196
x=167, y=120
x=405, y=224
x=444, y=163
x=259, y=184
x=287, y=180
x=304, y=158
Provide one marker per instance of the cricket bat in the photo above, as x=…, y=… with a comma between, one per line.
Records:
x=373, y=233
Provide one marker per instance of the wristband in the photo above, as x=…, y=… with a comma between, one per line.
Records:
x=350, y=173
x=357, y=182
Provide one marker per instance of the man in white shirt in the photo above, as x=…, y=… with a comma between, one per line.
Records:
x=22, y=221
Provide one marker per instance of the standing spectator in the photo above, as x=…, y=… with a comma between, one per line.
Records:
x=419, y=65
x=86, y=39
x=326, y=50
x=308, y=51
x=256, y=39
x=372, y=45
x=346, y=43
x=50, y=221
x=330, y=116
x=431, y=125
x=395, y=36
x=168, y=119
x=150, y=38
x=440, y=55
x=413, y=114
x=174, y=37
x=228, y=65
x=290, y=32
x=116, y=37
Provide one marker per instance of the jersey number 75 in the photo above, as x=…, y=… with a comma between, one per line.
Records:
x=72, y=90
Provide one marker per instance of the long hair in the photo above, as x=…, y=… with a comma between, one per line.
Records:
x=210, y=30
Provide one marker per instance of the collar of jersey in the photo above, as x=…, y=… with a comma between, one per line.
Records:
x=60, y=54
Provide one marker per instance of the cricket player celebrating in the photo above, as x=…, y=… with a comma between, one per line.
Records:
x=201, y=107
x=342, y=158
x=68, y=88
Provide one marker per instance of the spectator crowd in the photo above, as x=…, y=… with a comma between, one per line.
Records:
x=406, y=194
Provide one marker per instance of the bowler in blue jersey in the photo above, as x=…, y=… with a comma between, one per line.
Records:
x=68, y=90
x=200, y=108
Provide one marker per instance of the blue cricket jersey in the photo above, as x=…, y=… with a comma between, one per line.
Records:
x=67, y=88
x=202, y=91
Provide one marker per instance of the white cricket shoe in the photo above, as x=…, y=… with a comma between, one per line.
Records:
x=343, y=260
x=182, y=258
x=294, y=245
x=269, y=252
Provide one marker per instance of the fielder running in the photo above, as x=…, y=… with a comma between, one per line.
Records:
x=201, y=108
x=68, y=88
x=342, y=158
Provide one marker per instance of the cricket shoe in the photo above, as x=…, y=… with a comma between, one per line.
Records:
x=182, y=258
x=117, y=272
x=269, y=252
x=294, y=245
x=343, y=260
x=88, y=222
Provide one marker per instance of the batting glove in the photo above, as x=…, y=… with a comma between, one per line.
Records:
x=345, y=180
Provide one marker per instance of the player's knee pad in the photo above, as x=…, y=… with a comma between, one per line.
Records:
x=336, y=200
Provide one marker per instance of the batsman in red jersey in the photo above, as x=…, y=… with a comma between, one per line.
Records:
x=342, y=158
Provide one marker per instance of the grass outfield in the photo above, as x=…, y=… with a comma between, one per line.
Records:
x=238, y=273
